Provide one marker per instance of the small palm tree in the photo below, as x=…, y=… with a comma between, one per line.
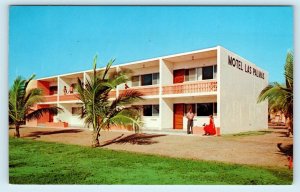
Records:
x=22, y=102
x=280, y=96
x=101, y=113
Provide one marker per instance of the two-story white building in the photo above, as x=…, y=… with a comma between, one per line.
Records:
x=213, y=81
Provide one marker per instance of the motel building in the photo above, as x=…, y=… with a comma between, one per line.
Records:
x=213, y=81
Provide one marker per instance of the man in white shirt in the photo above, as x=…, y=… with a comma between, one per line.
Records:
x=190, y=123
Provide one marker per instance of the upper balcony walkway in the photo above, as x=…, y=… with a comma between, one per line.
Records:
x=190, y=87
x=146, y=91
x=70, y=97
x=186, y=88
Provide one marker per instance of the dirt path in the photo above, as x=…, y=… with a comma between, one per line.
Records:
x=252, y=150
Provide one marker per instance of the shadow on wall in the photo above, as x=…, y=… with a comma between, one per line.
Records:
x=135, y=139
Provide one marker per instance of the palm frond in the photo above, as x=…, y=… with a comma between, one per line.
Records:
x=36, y=114
x=126, y=98
x=98, y=110
x=124, y=118
x=32, y=97
x=288, y=69
x=109, y=64
x=280, y=97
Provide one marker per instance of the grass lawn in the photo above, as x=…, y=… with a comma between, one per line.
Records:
x=35, y=162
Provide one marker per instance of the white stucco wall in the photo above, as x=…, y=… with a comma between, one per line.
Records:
x=166, y=69
x=62, y=83
x=166, y=113
x=66, y=116
x=195, y=63
x=239, y=110
x=151, y=122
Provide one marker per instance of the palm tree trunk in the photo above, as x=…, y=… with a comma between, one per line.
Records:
x=17, y=129
x=96, y=139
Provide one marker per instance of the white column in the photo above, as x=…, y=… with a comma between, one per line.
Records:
x=166, y=113
x=160, y=100
x=219, y=86
x=165, y=105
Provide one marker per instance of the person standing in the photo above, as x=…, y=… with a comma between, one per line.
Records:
x=65, y=90
x=71, y=89
x=190, y=123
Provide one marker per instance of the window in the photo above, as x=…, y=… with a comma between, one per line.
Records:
x=207, y=72
x=199, y=73
x=204, y=109
x=215, y=109
x=146, y=79
x=53, y=90
x=135, y=81
x=76, y=110
x=186, y=75
x=155, y=110
x=155, y=78
x=150, y=110
x=147, y=110
x=190, y=74
x=215, y=71
x=201, y=109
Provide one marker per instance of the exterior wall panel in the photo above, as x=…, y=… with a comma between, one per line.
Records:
x=239, y=91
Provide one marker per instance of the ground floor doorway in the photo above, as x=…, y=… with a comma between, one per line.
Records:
x=178, y=116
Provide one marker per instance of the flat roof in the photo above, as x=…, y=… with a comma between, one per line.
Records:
x=138, y=62
x=172, y=58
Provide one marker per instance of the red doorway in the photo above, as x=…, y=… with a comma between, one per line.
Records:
x=178, y=76
x=178, y=116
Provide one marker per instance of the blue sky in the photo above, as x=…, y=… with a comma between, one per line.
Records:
x=51, y=40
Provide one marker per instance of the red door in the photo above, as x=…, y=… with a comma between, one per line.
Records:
x=178, y=116
x=178, y=76
x=50, y=117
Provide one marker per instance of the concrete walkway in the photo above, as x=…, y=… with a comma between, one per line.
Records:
x=258, y=150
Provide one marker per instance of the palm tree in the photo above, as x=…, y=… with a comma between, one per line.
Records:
x=22, y=102
x=101, y=113
x=280, y=96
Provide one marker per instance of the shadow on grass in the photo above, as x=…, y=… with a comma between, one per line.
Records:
x=37, y=134
x=135, y=139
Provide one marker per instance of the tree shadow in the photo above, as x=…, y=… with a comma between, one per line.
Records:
x=134, y=139
x=285, y=149
x=38, y=134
